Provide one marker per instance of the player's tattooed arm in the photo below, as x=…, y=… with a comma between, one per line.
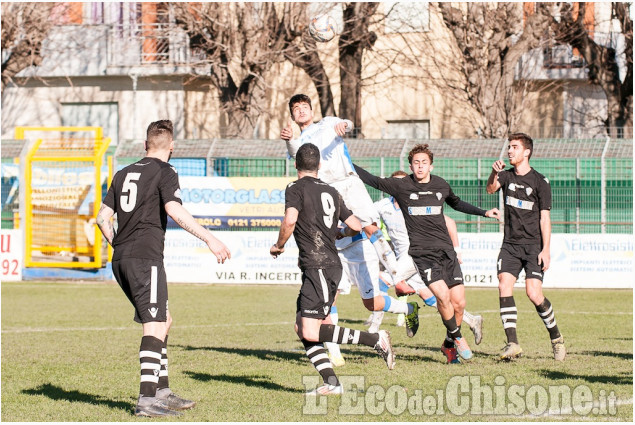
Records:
x=188, y=223
x=104, y=221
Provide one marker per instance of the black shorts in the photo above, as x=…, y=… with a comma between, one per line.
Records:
x=144, y=283
x=317, y=293
x=439, y=264
x=513, y=258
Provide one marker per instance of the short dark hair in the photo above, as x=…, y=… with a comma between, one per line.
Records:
x=307, y=158
x=299, y=98
x=399, y=173
x=523, y=138
x=420, y=149
x=159, y=134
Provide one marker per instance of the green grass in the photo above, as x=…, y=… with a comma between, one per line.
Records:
x=69, y=353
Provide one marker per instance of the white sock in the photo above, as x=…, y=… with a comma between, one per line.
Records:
x=469, y=319
x=385, y=254
x=333, y=348
x=396, y=306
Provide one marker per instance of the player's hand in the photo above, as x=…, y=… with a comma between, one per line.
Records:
x=498, y=166
x=544, y=258
x=275, y=250
x=287, y=132
x=493, y=213
x=340, y=128
x=459, y=256
x=219, y=249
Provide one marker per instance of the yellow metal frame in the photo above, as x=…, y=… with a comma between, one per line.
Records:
x=100, y=148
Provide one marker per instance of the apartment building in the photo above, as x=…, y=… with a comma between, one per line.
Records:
x=121, y=65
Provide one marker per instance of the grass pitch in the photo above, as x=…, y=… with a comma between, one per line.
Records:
x=70, y=353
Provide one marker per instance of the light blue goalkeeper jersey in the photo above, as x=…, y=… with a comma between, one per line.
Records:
x=336, y=161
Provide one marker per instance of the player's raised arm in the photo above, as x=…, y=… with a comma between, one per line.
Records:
x=184, y=219
x=492, y=182
x=287, y=135
x=343, y=127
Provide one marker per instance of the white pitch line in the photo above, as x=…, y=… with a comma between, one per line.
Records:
x=130, y=328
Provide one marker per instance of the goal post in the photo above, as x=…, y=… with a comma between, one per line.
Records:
x=64, y=171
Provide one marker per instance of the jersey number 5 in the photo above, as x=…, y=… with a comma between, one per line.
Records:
x=328, y=206
x=128, y=198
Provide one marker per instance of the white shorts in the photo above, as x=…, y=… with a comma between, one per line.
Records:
x=406, y=270
x=361, y=267
x=344, y=287
x=357, y=199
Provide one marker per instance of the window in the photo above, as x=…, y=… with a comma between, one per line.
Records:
x=402, y=17
x=406, y=129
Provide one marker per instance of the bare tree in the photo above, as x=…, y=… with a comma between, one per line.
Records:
x=242, y=41
x=24, y=28
x=569, y=28
x=355, y=39
x=490, y=40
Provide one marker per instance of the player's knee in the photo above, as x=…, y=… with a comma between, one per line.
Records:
x=309, y=335
x=443, y=299
x=371, y=304
x=505, y=289
x=535, y=295
x=459, y=304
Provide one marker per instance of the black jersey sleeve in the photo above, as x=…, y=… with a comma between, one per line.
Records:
x=293, y=196
x=169, y=187
x=456, y=203
x=109, y=200
x=383, y=184
x=544, y=193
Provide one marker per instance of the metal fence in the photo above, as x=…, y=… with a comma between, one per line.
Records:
x=591, y=179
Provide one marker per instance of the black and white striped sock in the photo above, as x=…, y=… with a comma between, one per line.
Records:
x=163, y=372
x=340, y=335
x=546, y=313
x=317, y=354
x=509, y=316
x=150, y=361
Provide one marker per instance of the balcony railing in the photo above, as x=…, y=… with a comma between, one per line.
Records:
x=562, y=56
x=149, y=44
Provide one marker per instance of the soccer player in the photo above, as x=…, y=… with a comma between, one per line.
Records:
x=391, y=215
x=526, y=241
x=421, y=197
x=312, y=211
x=337, y=168
x=143, y=195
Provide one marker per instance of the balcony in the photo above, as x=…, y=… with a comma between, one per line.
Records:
x=151, y=45
x=561, y=62
x=98, y=50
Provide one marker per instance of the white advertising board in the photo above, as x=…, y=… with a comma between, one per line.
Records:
x=577, y=261
x=187, y=259
x=12, y=255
